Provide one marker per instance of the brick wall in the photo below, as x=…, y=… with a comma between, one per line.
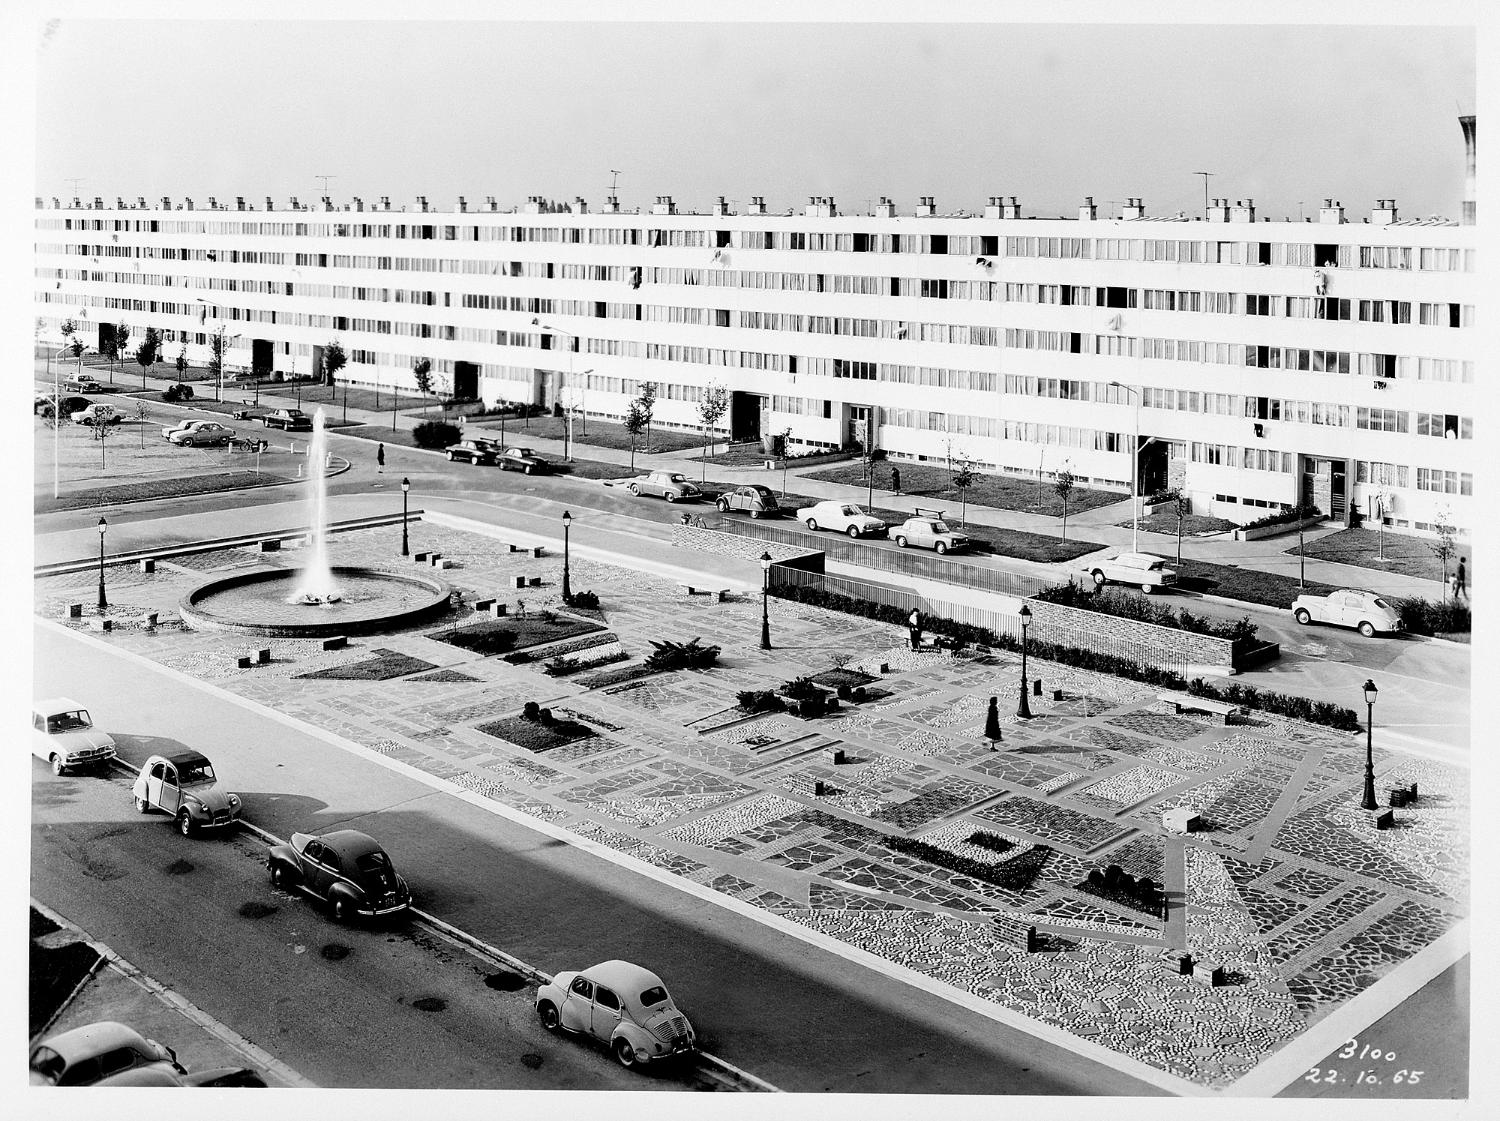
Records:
x=1196, y=649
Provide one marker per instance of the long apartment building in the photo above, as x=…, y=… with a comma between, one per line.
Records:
x=1253, y=363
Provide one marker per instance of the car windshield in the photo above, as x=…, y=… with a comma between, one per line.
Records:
x=1382, y=604
x=196, y=774
x=676, y=479
x=653, y=996
x=69, y=721
x=940, y=527
x=48, y=1063
x=852, y=511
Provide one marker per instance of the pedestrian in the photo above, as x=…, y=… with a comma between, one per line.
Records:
x=914, y=623
x=992, y=723
x=895, y=479
x=380, y=459
x=1461, y=580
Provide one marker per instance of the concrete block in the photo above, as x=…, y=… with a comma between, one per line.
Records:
x=520, y=581
x=442, y=562
x=1057, y=694
x=483, y=604
x=337, y=642
x=151, y=618
x=885, y=667
x=1209, y=975
x=263, y=656
x=512, y=548
x=837, y=756
x=74, y=611
x=148, y=564
x=686, y=589
x=534, y=582
x=420, y=558
x=498, y=610
x=1036, y=687
x=102, y=624
x=535, y=551
x=433, y=558
x=1385, y=820
x=1182, y=964
x=243, y=661
x=271, y=545
x=1181, y=820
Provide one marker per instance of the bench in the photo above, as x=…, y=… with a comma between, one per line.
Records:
x=337, y=642
x=1016, y=933
x=146, y=565
x=1403, y=795
x=1181, y=702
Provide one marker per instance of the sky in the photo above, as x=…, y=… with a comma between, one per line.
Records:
x=1284, y=114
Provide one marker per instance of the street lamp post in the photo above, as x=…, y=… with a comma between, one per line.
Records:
x=103, y=603
x=1135, y=454
x=1368, y=801
x=567, y=520
x=405, y=487
x=765, y=599
x=1023, y=710
x=56, y=415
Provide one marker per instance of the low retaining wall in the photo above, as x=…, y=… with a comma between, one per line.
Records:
x=1276, y=530
x=1199, y=650
x=749, y=548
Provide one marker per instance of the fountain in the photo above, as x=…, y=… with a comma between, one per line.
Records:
x=325, y=599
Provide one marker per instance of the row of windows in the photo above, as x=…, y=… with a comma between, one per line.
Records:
x=1295, y=254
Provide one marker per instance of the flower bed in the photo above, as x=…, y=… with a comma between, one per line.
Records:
x=561, y=666
x=497, y=636
x=534, y=735
x=587, y=642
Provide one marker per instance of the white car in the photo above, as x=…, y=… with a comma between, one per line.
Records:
x=63, y=733
x=841, y=517
x=1146, y=571
x=97, y=413
x=205, y=435
x=1349, y=607
x=183, y=426
x=623, y=1006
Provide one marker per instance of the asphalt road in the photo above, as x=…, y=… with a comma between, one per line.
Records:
x=799, y=1017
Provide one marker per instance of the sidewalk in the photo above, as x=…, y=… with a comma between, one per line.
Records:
x=1265, y=555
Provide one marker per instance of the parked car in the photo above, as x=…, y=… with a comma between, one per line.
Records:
x=70, y=405
x=756, y=500
x=841, y=517
x=346, y=869
x=927, y=530
x=1349, y=607
x=87, y=1055
x=207, y=434
x=83, y=385
x=472, y=451
x=672, y=485
x=291, y=420
x=524, y=460
x=184, y=787
x=623, y=1006
x=218, y=1077
x=63, y=733
x=97, y=413
x=1145, y=570
x=170, y=430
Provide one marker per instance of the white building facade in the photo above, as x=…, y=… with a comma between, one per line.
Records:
x=1252, y=363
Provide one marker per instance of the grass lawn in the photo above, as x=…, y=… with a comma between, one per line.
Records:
x=159, y=488
x=1410, y=556
x=1194, y=525
x=535, y=736
x=1006, y=542
x=1267, y=588
x=385, y=665
x=501, y=636
x=590, y=433
x=750, y=455
x=1001, y=492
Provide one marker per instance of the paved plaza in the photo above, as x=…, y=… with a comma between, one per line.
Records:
x=1291, y=890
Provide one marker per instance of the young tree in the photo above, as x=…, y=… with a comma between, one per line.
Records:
x=647, y=402
x=141, y=416
x=69, y=328
x=711, y=408
x=785, y=438
x=147, y=353
x=1062, y=486
x=218, y=346
x=1445, y=547
x=634, y=424
x=121, y=337
x=963, y=479
x=421, y=373
x=334, y=360
x=182, y=362
x=1181, y=506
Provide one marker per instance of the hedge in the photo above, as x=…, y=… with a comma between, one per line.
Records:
x=1300, y=708
x=1291, y=514
x=1123, y=605
x=1422, y=616
x=435, y=434
x=1012, y=875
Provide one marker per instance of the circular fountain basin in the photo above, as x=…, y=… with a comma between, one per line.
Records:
x=257, y=602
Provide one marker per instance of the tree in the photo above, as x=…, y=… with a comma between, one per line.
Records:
x=1181, y=506
x=68, y=328
x=147, y=353
x=785, y=437
x=634, y=423
x=421, y=373
x=711, y=408
x=963, y=479
x=1062, y=486
x=182, y=362
x=218, y=346
x=647, y=402
x=334, y=360
x=141, y=415
x=121, y=337
x=1445, y=548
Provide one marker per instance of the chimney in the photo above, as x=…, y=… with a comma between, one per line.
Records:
x=489, y=203
x=992, y=208
x=1134, y=208
x=294, y=204
x=664, y=205
x=140, y=202
x=213, y=203
x=119, y=203
x=56, y=203
x=925, y=207
x=1218, y=210
x=1243, y=211
x=166, y=203
x=463, y=205
x=1332, y=213
x=98, y=203
x=579, y=205
x=40, y=202
x=422, y=203
x=1088, y=211
x=1467, y=124
x=1384, y=213
x=1011, y=209
x=270, y=205
x=757, y=204
x=885, y=208
x=76, y=204
x=239, y=202
x=612, y=204
x=188, y=203
x=819, y=206
x=359, y=203
x=385, y=202
x=720, y=207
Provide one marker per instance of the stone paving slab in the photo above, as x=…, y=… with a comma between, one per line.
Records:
x=1331, y=907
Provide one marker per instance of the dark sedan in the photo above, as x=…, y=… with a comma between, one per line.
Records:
x=524, y=460
x=346, y=869
x=472, y=451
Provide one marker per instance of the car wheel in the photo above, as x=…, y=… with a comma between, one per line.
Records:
x=852, y=531
x=634, y=490
x=812, y=524
x=670, y=497
x=1147, y=589
x=142, y=806
x=753, y=513
x=724, y=507
x=340, y=910
x=187, y=441
x=900, y=542
x=547, y=1013
x=451, y=457
x=57, y=765
x=185, y=824
x=624, y=1052
x=940, y=547
x=1098, y=578
x=280, y=873
x=1367, y=629
x=1302, y=615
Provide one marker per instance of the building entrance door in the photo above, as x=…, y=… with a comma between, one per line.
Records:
x=860, y=423
x=745, y=410
x=465, y=381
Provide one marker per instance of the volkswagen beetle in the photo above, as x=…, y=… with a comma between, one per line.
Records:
x=346, y=869
x=184, y=787
x=87, y=1055
x=623, y=1006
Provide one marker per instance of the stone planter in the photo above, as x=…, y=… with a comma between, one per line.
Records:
x=1275, y=530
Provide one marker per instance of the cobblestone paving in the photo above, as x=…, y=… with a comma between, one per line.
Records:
x=1333, y=906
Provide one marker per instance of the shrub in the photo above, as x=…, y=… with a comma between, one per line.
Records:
x=1284, y=517
x=1422, y=616
x=760, y=700
x=435, y=434
x=992, y=841
x=544, y=716
x=587, y=600
x=559, y=666
x=800, y=688
x=1123, y=605
x=178, y=392
x=1012, y=875
x=670, y=655
x=530, y=710
x=811, y=706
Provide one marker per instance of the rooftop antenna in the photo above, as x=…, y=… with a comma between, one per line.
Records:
x=1205, y=175
x=75, y=182
x=325, y=179
x=615, y=182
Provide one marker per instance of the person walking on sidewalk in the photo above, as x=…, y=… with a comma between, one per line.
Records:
x=380, y=459
x=1461, y=580
x=895, y=480
x=914, y=624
